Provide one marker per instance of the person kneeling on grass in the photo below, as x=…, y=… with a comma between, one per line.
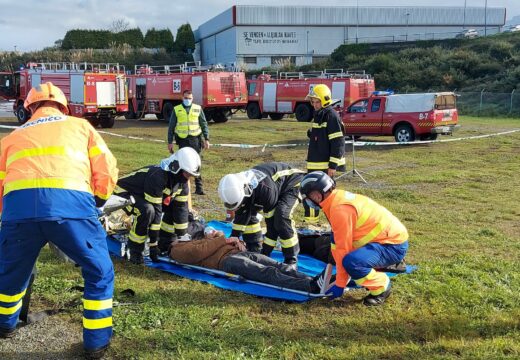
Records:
x=212, y=250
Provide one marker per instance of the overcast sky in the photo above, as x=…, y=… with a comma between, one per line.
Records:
x=35, y=24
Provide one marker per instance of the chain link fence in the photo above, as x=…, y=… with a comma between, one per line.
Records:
x=484, y=103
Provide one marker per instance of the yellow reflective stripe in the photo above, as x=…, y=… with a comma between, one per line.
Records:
x=270, y=242
x=136, y=238
x=363, y=218
x=101, y=195
x=317, y=165
x=251, y=229
x=287, y=172
x=371, y=235
x=12, y=298
x=335, y=135
x=2, y=175
x=369, y=276
x=46, y=151
x=238, y=227
x=337, y=161
x=55, y=183
x=153, y=200
x=269, y=214
x=155, y=227
x=97, y=304
x=10, y=310
x=333, y=246
x=287, y=243
x=183, y=198
x=94, y=324
x=167, y=227
x=182, y=226
x=97, y=150
x=319, y=126
x=118, y=190
x=167, y=191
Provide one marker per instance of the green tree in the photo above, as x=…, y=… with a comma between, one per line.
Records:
x=185, y=40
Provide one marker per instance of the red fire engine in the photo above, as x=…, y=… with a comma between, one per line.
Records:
x=157, y=89
x=96, y=92
x=284, y=93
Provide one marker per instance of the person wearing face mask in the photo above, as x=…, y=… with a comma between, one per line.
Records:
x=272, y=188
x=159, y=189
x=189, y=127
x=365, y=236
x=326, y=150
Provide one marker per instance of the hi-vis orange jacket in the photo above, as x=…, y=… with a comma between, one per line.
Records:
x=51, y=167
x=357, y=220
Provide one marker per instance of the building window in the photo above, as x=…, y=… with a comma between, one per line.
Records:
x=250, y=59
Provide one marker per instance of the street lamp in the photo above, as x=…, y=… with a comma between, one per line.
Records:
x=407, y=20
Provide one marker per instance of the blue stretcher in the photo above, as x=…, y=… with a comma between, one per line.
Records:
x=220, y=279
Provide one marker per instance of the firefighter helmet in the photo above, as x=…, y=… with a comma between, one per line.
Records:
x=322, y=93
x=46, y=92
x=232, y=189
x=185, y=159
x=316, y=181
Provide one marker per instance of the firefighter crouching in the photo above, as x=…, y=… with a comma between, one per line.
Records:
x=156, y=188
x=365, y=236
x=54, y=171
x=270, y=187
x=326, y=150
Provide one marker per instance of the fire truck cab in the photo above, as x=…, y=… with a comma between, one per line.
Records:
x=158, y=89
x=277, y=94
x=96, y=92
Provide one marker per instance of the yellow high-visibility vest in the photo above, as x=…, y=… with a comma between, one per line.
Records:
x=187, y=124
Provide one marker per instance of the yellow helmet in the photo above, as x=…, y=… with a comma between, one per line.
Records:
x=46, y=92
x=321, y=92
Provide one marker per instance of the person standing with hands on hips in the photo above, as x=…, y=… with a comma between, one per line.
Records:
x=326, y=140
x=189, y=127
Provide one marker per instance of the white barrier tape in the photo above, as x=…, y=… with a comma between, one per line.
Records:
x=266, y=145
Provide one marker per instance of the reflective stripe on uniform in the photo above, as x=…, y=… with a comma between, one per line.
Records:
x=10, y=310
x=335, y=135
x=136, y=238
x=287, y=243
x=54, y=183
x=287, y=172
x=183, y=198
x=45, y=151
x=97, y=304
x=337, y=161
x=371, y=235
x=155, y=227
x=270, y=242
x=182, y=226
x=270, y=214
x=12, y=298
x=152, y=199
x=317, y=165
x=2, y=175
x=94, y=324
x=251, y=229
x=169, y=228
x=101, y=195
x=238, y=227
x=319, y=126
x=97, y=150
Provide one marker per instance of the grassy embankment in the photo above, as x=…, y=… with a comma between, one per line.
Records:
x=459, y=201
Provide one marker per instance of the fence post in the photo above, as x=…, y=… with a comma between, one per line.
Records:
x=480, y=106
x=511, y=107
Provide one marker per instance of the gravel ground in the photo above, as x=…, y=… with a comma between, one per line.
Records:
x=55, y=337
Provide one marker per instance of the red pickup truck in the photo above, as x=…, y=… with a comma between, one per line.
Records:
x=407, y=117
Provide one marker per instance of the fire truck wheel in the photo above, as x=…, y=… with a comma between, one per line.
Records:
x=404, y=133
x=303, y=112
x=253, y=111
x=276, y=116
x=221, y=116
x=167, y=111
x=107, y=122
x=94, y=121
x=22, y=115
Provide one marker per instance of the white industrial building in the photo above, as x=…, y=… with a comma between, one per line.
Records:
x=261, y=36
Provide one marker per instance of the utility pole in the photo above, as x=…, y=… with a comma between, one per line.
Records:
x=464, y=19
x=485, y=19
x=407, y=21
x=357, y=21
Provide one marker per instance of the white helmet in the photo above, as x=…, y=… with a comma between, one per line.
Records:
x=186, y=159
x=232, y=189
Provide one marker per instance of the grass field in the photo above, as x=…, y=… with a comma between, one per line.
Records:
x=459, y=201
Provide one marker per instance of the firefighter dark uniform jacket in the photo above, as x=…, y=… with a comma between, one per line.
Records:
x=326, y=141
x=154, y=190
x=277, y=196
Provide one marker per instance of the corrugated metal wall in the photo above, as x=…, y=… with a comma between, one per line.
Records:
x=367, y=16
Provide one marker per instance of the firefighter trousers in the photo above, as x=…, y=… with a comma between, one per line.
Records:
x=144, y=216
x=280, y=225
x=360, y=264
x=84, y=241
x=194, y=142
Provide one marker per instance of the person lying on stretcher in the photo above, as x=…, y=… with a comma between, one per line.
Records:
x=213, y=250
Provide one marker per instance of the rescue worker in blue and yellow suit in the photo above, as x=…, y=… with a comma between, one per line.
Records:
x=54, y=171
x=326, y=150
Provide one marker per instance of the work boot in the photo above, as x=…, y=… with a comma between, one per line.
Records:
x=376, y=300
x=136, y=252
x=199, y=191
x=395, y=268
x=166, y=242
x=96, y=353
x=7, y=333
